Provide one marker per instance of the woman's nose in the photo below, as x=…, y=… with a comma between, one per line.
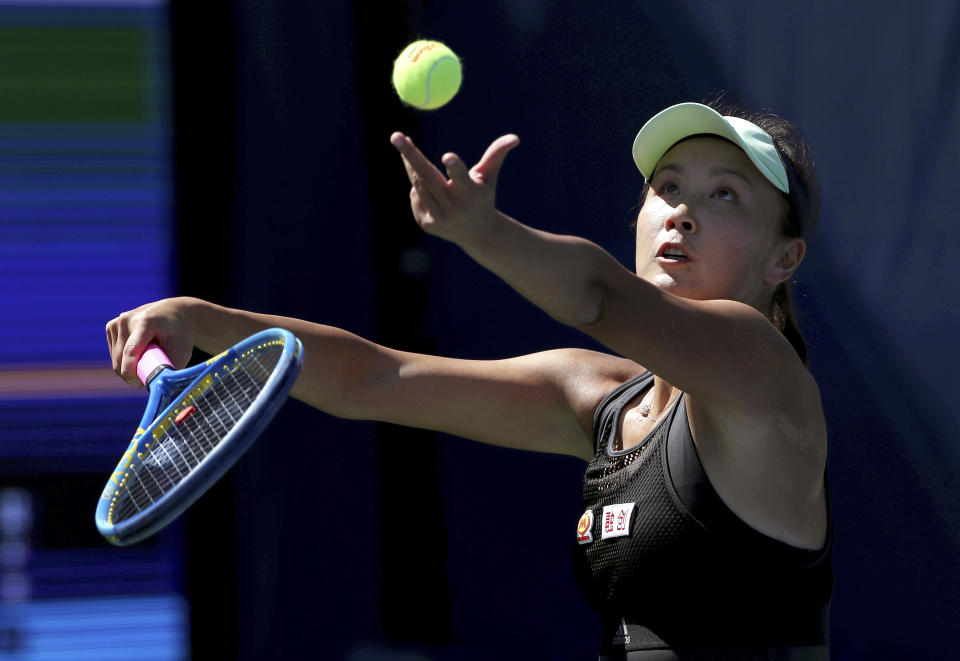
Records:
x=681, y=219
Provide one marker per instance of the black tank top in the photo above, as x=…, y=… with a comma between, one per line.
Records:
x=667, y=564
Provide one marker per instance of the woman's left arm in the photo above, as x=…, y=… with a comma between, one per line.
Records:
x=723, y=353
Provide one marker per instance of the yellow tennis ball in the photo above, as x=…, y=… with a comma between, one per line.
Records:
x=427, y=74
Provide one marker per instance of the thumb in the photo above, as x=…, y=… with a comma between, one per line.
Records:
x=488, y=167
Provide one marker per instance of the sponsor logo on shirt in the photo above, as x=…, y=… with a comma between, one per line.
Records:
x=585, y=528
x=616, y=520
x=622, y=637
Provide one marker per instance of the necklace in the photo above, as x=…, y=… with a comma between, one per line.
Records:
x=642, y=410
x=645, y=406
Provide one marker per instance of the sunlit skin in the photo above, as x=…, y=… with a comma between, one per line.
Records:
x=753, y=408
x=708, y=200
x=709, y=228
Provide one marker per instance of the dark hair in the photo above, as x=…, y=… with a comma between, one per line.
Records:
x=801, y=204
x=803, y=199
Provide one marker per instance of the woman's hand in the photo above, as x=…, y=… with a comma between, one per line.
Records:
x=170, y=323
x=460, y=205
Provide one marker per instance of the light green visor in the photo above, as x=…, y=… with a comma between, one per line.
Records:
x=670, y=126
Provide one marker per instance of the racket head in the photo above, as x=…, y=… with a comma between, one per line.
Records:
x=196, y=425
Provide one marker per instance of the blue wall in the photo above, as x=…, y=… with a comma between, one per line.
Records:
x=85, y=232
x=420, y=543
x=873, y=90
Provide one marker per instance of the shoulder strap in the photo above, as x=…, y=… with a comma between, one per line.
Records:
x=613, y=402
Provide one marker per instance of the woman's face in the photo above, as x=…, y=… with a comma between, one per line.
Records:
x=709, y=227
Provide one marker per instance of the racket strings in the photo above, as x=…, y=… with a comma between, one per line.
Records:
x=184, y=445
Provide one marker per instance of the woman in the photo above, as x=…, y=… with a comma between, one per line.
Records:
x=706, y=530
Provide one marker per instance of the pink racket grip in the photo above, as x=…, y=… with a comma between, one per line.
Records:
x=150, y=363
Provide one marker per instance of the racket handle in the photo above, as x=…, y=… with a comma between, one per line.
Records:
x=151, y=363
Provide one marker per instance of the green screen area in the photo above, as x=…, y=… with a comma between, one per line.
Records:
x=72, y=74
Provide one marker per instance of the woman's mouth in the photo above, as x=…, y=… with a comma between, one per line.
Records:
x=672, y=253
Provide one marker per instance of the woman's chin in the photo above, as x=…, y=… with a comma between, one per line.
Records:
x=677, y=287
x=668, y=283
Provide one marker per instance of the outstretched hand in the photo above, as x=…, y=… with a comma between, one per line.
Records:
x=460, y=205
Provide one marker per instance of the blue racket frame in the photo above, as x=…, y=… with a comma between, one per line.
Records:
x=167, y=390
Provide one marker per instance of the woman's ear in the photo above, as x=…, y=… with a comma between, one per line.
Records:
x=790, y=254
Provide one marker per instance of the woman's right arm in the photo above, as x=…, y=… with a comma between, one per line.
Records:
x=542, y=402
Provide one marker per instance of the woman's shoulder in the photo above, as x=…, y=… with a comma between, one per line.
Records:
x=769, y=469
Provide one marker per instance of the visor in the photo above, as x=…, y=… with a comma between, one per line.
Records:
x=670, y=126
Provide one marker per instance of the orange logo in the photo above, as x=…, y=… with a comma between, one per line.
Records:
x=584, y=528
x=584, y=524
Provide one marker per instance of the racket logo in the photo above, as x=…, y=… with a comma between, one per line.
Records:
x=184, y=414
x=196, y=424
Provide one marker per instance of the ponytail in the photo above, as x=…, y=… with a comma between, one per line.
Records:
x=784, y=317
x=800, y=209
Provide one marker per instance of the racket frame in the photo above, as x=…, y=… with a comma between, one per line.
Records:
x=170, y=391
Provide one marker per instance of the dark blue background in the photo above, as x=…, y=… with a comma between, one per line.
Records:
x=358, y=541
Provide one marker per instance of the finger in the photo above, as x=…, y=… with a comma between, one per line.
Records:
x=118, y=330
x=425, y=207
x=416, y=163
x=488, y=167
x=420, y=211
x=456, y=169
x=133, y=350
x=425, y=196
x=415, y=179
x=111, y=343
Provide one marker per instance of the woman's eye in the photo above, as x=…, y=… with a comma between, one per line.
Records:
x=669, y=189
x=725, y=194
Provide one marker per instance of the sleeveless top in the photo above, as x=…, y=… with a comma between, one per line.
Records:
x=667, y=565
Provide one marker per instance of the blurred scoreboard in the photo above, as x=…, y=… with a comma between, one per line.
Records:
x=86, y=231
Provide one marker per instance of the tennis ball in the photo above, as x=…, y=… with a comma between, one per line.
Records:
x=427, y=74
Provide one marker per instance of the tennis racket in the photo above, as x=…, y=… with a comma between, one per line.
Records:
x=198, y=421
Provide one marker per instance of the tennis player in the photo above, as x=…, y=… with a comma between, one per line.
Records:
x=706, y=531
